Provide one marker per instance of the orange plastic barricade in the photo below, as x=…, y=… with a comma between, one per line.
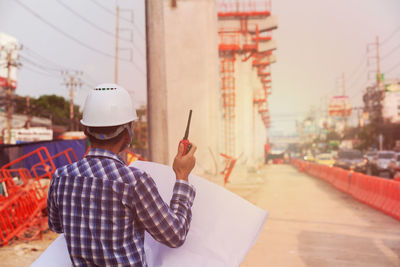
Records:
x=342, y=180
x=387, y=206
x=395, y=208
x=361, y=192
x=324, y=172
x=379, y=193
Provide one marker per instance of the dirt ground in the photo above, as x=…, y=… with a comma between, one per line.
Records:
x=310, y=224
x=19, y=253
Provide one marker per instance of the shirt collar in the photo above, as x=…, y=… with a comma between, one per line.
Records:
x=100, y=152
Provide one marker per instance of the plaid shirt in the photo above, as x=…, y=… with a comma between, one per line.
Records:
x=103, y=208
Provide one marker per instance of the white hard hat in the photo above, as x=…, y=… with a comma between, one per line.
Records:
x=108, y=104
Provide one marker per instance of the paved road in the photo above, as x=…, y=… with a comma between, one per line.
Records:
x=313, y=224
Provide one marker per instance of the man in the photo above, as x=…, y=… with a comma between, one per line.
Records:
x=104, y=207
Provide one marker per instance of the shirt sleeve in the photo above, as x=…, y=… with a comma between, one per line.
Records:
x=166, y=224
x=52, y=209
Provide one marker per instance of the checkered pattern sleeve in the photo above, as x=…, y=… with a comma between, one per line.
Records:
x=52, y=210
x=167, y=224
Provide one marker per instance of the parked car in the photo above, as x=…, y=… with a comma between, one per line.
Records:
x=351, y=159
x=325, y=159
x=381, y=162
x=369, y=156
x=309, y=157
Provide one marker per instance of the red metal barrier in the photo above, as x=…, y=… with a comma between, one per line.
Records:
x=19, y=214
x=24, y=193
x=41, y=154
x=47, y=166
x=229, y=164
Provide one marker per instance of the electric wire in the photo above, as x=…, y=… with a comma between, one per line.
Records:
x=114, y=14
x=391, y=52
x=94, y=25
x=42, y=67
x=39, y=72
x=390, y=36
x=39, y=57
x=393, y=68
x=70, y=36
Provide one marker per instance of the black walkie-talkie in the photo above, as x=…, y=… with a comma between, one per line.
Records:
x=187, y=145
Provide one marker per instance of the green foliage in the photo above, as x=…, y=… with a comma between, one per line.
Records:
x=49, y=106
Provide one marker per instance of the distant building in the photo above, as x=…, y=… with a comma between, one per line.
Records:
x=383, y=105
x=20, y=121
x=391, y=102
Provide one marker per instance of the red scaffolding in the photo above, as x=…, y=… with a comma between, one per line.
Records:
x=236, y=41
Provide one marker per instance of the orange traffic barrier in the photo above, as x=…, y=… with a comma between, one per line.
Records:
x=382, y=194
x=340, y=179
x=395, y=208
x=390, y=205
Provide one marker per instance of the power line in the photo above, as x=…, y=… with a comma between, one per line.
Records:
x=33, y=53
x=390, y=36
x=391, y=52
x=41, y=67
x=64, y=33
x=114, y=14
x=358, y=66
x=38, y=72
x=94, y=25
x=393, y=68
x=355, y=81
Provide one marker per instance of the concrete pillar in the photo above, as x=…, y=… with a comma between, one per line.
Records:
x=192, y=78
x=156, y=83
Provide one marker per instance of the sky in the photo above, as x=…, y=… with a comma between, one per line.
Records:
x=320, y=40
x=317, y=42
x=77, y=36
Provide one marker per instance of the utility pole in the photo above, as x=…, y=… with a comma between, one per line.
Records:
x=28, y=112
x=72, y=82
x=344, y=104
x=378, y=66
x=71, y=103
x=117, y=37
x=9, y=104
x=10, y=63
x=116, y=45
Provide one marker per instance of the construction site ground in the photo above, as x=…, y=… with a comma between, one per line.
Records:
x=310, y=224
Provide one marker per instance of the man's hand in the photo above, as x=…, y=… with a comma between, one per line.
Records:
x=184, y=164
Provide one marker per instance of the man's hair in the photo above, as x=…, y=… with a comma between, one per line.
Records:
x=105, y=131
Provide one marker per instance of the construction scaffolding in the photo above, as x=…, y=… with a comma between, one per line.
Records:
x=245, y=32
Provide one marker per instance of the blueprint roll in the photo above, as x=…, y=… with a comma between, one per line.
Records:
x=224, y=227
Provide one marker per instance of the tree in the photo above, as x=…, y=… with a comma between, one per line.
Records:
x=53, y=107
